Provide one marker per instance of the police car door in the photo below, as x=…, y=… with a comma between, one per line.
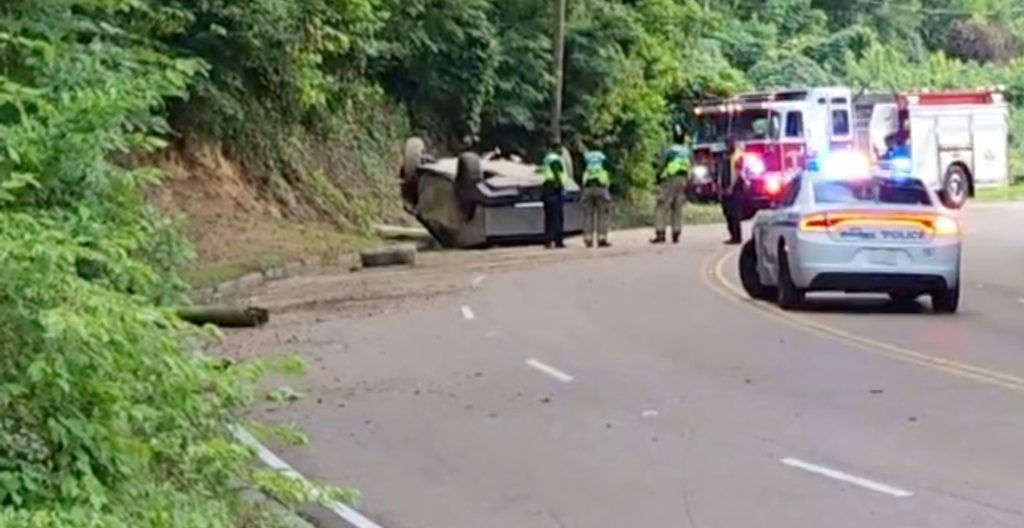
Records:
x=778, y=224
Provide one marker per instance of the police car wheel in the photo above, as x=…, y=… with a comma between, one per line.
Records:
x=749, y=277
x=946, y=301
x=955, y=187
x=789, y=296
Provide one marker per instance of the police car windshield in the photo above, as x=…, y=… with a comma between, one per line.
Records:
x=871, y=190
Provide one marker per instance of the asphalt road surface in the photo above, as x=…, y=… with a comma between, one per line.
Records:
x=641, y=388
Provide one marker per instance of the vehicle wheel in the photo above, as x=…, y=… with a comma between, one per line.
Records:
x=412, y=158
x=749, y=277
x=567, y=163
x=903, y=296
x=467, y=175
x=789, y=296
x=956, y=187
x=946, y=301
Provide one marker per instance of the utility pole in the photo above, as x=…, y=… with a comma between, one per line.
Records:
x=556, y=109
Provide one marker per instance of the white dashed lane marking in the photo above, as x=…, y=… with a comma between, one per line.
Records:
x=467, y=313
x=268, y=457
x=860, y=482
x=549, y=370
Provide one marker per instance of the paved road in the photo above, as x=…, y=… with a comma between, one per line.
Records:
x=642, y=390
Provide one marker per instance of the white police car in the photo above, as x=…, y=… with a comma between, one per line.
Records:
x=840, y=227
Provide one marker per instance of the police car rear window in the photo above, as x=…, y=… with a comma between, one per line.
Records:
x=871, y=190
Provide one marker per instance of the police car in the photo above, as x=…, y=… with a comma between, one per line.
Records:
x=839, y=226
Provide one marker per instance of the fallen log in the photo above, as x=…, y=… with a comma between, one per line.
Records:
x=418, y=236
x=401, y=232
x=225, y=316
x=402, y=254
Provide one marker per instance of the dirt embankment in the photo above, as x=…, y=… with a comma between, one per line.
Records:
x=238, y=224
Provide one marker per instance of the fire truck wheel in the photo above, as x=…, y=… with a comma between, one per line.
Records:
x=955, y=187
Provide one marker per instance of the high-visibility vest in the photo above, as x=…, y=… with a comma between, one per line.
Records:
x=554, y=179
x=676, y=168
x=596, y=174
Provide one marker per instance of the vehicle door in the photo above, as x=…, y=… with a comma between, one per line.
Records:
x=925, y=142
x=775, y=224
x=840, y=123
x=794, y=150
x=990, y=136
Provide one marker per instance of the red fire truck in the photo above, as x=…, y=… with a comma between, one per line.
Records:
x=957, y=140
x=778, y=131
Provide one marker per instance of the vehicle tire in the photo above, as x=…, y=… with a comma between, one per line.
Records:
x=903, y=296
x=468, y=174
x=946, y=301
x=749, y=277
x=789, y=296
x=412, y=158
x=568, y=164
x=956, y=185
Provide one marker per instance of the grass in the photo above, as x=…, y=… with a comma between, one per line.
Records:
x=628, y=214
x=270, y=243
x=1011, y=193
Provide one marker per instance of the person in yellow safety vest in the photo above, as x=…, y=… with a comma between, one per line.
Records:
x=672, y=181
x=730, y=191
x=553, y=193
x=596, y=199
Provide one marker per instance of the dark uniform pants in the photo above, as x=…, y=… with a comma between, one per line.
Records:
x=554, y=216
x=731, y=212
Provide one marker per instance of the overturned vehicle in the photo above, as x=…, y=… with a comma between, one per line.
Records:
x=476, y=201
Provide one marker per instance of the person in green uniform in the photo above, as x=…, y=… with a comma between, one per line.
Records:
x=553, y=193
x=596, y=200
x=672, y=180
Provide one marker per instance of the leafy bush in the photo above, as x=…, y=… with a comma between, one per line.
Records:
x=108, y=417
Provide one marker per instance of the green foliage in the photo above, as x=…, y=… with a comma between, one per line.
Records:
x=108, y=417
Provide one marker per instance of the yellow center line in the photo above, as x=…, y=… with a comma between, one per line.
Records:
x=715, y=278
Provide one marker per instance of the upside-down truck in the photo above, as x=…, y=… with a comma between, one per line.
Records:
x=957, y=140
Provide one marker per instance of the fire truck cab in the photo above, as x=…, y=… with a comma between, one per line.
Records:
x=957, y=140
x=778, y=131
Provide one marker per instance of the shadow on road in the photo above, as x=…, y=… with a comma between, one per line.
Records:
x=865, y=306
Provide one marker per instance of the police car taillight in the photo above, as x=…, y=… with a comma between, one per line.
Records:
x=938, y=225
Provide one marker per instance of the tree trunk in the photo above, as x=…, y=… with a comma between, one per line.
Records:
x=225, y=316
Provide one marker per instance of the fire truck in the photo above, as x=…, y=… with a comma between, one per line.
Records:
x=957, y=140
x=778, y=130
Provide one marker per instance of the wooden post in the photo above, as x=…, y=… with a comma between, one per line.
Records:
x=556, y=109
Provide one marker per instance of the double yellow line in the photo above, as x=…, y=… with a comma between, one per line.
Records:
x=715, y=277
